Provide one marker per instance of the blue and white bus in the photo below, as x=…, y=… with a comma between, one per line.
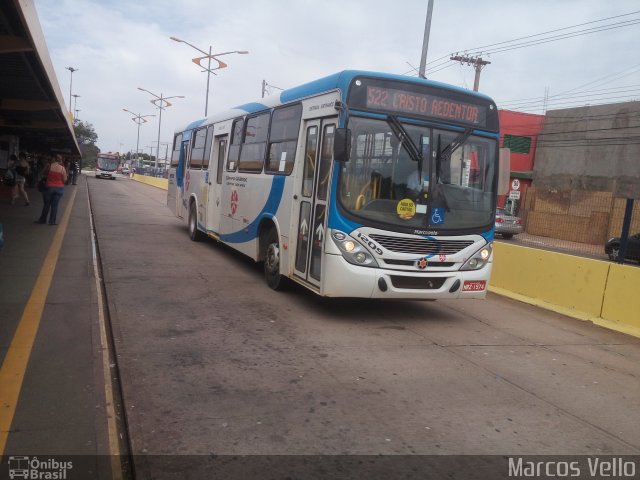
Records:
x=358, y=184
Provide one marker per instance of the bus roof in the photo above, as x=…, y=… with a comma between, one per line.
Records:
x=337, y=81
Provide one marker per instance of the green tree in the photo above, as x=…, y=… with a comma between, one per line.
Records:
x=85, y=133
x=89, y=155
x=87, y=138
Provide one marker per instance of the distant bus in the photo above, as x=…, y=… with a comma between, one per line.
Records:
x=359, y=184
x=107, y=165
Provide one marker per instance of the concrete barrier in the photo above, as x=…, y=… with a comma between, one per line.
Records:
x=583, y=288
x=154, y=181
x=621, y=305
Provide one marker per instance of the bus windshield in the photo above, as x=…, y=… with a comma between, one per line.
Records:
x=403, y=174
x=108, y=164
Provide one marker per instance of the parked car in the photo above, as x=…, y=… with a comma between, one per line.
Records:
x=125, y=170
x=612, y=248
x=508, y=225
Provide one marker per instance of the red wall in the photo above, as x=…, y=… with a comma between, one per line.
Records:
x=526, y=125
x=521, y=124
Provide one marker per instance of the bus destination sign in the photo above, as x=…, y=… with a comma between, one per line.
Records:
x=402, y=101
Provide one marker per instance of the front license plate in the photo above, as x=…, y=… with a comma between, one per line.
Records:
x=475, y=286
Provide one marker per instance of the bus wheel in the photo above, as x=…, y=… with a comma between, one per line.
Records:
x=194, y=234
x=272, y=261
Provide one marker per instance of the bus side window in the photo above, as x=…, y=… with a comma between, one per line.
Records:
x=234, y=148
x=283, y=138
x=222, y=149
x=255, y=143
x=207, y=148
x=310, y=161
x=175, y=154
x=197, y=149
x=326, y=154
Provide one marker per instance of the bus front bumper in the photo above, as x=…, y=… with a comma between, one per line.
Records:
x=343, y=279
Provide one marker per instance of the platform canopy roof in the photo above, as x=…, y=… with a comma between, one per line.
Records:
x=32, y=106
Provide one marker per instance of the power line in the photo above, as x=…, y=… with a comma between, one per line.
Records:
x=565, y=105
x=556, y=38
x=630, y=88
x=438, y=65
x=585, y=100
x=558, y=30
x=481, y=48
x=598, y=82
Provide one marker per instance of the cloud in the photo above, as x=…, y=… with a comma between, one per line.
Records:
x=120, y=45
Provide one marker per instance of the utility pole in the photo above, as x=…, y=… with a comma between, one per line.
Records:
x=425, y=41
x=266, y=88
x=478, y=63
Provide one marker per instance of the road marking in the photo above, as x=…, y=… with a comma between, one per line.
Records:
x=112, y=428
x=17, y=357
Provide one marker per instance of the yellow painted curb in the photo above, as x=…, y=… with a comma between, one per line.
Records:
x=162, y=183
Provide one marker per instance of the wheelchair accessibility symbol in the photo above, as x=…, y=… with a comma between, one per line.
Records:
x=437, y=216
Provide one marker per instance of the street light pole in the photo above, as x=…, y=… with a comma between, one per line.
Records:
x=75, y=102
x=162, y=103
x=209, y=56
x=139, y=119
x=206, y=101
x=71, y=69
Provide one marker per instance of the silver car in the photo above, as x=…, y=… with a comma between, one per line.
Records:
x=508, y=225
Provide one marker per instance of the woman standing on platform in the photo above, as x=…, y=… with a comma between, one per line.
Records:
x=21, y=169
x=56, y=176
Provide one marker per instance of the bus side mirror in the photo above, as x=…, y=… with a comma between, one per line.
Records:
x=504, y=172
x=342, y=144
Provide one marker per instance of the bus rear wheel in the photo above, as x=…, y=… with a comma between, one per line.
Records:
x=194, y=234
x=272, y=261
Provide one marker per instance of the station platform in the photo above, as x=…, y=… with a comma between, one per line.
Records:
x=52, y=400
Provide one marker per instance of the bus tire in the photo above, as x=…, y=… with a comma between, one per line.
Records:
x=194, y=234
x=272, y=261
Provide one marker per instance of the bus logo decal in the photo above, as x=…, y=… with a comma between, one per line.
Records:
x=422, y=263
x=234, y=202
x=269, y=210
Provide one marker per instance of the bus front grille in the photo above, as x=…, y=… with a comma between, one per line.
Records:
x=421, y=246
x=417, y=283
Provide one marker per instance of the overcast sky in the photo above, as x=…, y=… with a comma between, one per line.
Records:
x=119, y=45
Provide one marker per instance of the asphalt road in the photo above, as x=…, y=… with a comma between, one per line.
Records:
x=215, y=363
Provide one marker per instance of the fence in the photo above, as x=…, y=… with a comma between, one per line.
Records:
x=576, y=221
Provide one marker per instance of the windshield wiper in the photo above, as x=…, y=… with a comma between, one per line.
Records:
x=405, y=139
x=456, y=143
x=438, y=196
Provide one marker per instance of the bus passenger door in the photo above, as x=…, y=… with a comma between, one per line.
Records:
x=180, y=177
x=215, y=182
x=172, y=190
x=313, y=195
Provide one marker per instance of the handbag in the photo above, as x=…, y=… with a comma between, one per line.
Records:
x=42, y=184
x=9, y=178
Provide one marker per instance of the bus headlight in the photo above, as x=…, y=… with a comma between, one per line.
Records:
x=478, y=259
x=352, y=250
